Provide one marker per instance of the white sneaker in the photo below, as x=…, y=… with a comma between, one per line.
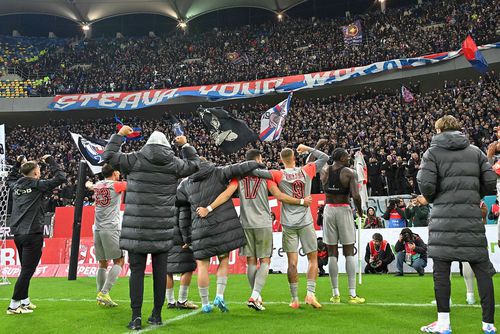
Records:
x=470, y=301
x=19, y=310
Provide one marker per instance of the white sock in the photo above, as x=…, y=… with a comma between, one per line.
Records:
x=26, y=301
x=100, y=278
x=333, y=270
x=203, y=295
x=311, y=287
x=251, y=273
x=443, y=319
x=221, y=286
x=183, y=293
x=350, y=267
x=170, y=296
x=14, y=304
x=468, y=277
x=111, y=278
x=470, y=296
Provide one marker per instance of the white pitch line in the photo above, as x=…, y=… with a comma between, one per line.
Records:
x=169, y=321
x=265, y=303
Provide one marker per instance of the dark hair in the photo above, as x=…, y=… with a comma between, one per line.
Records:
x=27, y=167
x=252, y=154
x=338, y=154
x=107, y=170
x=377, y=237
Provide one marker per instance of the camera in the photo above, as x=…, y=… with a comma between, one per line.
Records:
x=393, y=203
x=407, y=237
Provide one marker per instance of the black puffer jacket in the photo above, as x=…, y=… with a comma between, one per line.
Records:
x=220, y=231
x=152, y=178
x=180, y=259
x=454, y=176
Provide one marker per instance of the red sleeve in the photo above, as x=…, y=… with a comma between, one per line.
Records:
x=310, y=169
x=120, y=186
x=277, y=176
x=234, y=182
x=270, y=183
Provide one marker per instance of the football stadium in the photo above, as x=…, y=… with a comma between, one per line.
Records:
x=214, y=166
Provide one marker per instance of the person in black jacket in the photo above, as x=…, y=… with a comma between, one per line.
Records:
x=454, y=176
x=220, y=231
x=395, y=213
x=150, y=214
x=181, y=259
x=27, y=218
x=378, y=255
x=412, y=250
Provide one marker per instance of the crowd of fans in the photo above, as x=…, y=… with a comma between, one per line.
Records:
x=260, y=51
x=392, y=134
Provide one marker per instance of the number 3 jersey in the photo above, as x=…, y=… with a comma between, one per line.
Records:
x=295, y=182
x=254, y=203
x=107, y=195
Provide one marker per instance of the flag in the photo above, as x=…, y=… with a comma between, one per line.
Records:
x=273, y=120
x=236, y=58
x=91, y=149
x=229, y=133
x=176, y=126
x=135, y=136
x=361, y=177
x=353, y=33
x=407, y=95
x=473, y=55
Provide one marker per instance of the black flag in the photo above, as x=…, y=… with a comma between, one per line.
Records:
x=91, y=149
x=229, y=133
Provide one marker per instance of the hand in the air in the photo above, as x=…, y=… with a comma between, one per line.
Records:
x=180, y=140
x=302, y=149
x=125, y=130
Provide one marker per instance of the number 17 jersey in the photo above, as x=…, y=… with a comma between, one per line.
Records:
x=295, y=182
x=254, y=202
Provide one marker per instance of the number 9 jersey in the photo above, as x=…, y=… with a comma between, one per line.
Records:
x=295, y=182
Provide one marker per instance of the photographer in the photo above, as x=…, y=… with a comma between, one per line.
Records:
x=411, y=250
x=28, y=192
x=395, y=213
x=417, y=214
x=322, y=257
x=378, y=255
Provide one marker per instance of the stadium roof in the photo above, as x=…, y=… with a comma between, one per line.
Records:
x=90, y=11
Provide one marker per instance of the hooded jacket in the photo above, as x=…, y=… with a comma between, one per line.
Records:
x=152, y=177
x=28, y=198
x=454, y=176
x=220, y=232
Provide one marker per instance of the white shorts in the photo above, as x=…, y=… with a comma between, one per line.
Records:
x=338, y=225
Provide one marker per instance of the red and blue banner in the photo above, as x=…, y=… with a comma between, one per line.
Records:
x=240, y=90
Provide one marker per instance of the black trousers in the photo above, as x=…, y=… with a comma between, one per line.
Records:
x=136, y=282
x=29, y=248
x=484, y=272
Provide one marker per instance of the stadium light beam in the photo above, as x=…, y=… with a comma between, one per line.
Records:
x=182, y=25
x=85, y=27
x=280, y=17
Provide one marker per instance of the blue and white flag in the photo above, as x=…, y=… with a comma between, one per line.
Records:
x=91, y=149
x=273, y=120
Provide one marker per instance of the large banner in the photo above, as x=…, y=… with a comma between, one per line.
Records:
x=239, y=90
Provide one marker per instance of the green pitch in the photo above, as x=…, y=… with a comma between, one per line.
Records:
x=394, y=305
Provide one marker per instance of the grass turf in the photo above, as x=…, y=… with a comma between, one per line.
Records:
x=394, y=305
